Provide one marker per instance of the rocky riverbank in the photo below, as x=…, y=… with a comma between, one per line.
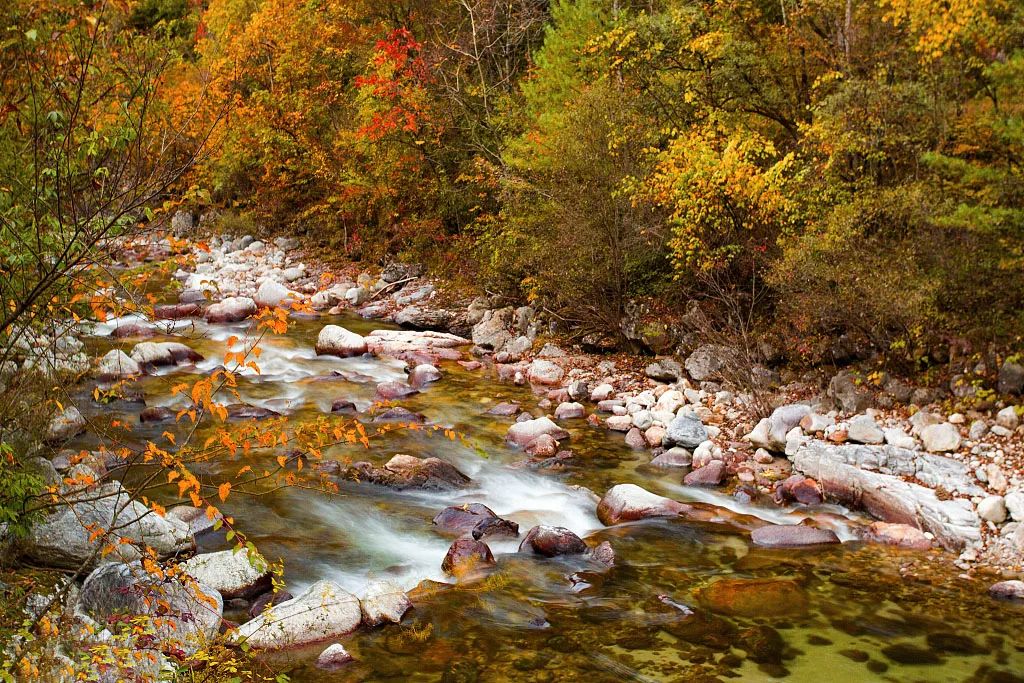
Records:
x=955, y=478
x=932, y=478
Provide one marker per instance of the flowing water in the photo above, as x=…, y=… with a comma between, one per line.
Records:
x=684, y=602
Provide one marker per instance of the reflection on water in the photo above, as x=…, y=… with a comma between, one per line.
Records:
x=684, y=602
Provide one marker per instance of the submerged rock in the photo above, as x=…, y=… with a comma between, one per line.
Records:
x=406, y=471
x=792, y=535
x=754, y=597
x=899, y=535
x=323, y=611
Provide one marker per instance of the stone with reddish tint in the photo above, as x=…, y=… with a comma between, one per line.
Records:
x=899, y=535
x=754, y=597
x=176, y=311
x=333, y=658
x=1007, y=590
x=230, y=310
x=544, y=446
x=801, y=489
x=389, y=391
x=569, y=411
x=629, y=502
x=635, y=439
x=157, y=414
x=132, y=331
x=343, y=405
x=791, y=536
x=244, y=411
x=504, y=409
x=551, y=541
x=603, y=554
x=406, y=471
x=400, y=414
x=673, y=457
x=522, y=433
x=711, y=474
x=476, y=520
x=465, y=555
x=423, y=374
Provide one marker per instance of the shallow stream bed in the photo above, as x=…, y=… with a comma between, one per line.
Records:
x=684, y=602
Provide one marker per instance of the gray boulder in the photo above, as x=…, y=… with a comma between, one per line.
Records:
x=707, y=361
x=116, y=364
x=848, y=395
x=335, y=340
x=686, y=431
x=64, y=426
x=384, y=602
x=63, y=538
x=1011, y=378
x=323, y=611
x=181, y=616
x=232, y=574
x=231, y=310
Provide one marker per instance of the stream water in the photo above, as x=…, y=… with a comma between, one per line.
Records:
x=684, y=602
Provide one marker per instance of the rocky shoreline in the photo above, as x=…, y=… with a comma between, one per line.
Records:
x=930, y=479
x=955, y=479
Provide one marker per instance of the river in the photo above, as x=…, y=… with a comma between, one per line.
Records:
x=684, y=602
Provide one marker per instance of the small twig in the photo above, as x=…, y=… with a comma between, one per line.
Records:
x=387, y=287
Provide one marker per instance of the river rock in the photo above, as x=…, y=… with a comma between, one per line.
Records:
x=417, y=346
x=1011, y=378
x=899, y=535
x=504, y=409
x=63, y=538
x=231, y=310
x=384, y=602
x=1014, y=502
x=686, y=431
x=673, y=457
x=67, y=425
x=602, y=392
x=664, y=370
x=406, y=471
x=322, y=612
x=1007, y=590
x=545, y=372
x=164, y=353
x=492, y=332
x=992, y=509
x=706, y=362
x=233, y=574
x=619, y=423
x=272, y=293
x=754, y=597
x=770, y=433
x=400, y=414
x=791, y=535
x=712, y=474
x=244, y=411
x=899, y=438
x=551, y=541
x=423, y=374
x=475, y=519
x=940, y=438
x=116, y=364
x=176, y=311
x=333, y=658
x=260, y=603
x=569, y=411
x=181, y=617
x=466, y=555
x=132, y=331
x=864, y=429
x=390, y=391
x=799, y=488
x=815, y=423
x=578, y=390
x=544, y=446
x=335, y=340
x=522, y=433
x=848, y=394
x=635, y=439
x=1007, y=418
x=872, y=477
x=629, y=502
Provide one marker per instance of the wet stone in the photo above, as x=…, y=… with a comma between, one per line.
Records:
x=906, y=653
